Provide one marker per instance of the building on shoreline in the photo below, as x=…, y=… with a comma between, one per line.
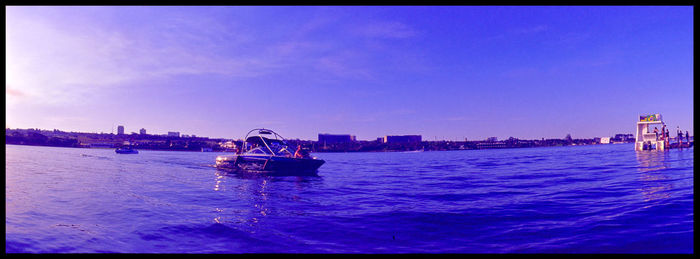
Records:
x=622, y=138
x=402, y=139
x=333, y=138
x=56, y=138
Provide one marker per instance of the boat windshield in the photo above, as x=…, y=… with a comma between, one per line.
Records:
x=273, y=145
x=281, y=150
x=259, y=150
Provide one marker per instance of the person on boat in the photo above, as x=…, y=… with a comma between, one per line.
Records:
x=656, y=131
x=663, y=131
x=680, y=136
x=687, y=137
x=300, y=153
x=663, y=134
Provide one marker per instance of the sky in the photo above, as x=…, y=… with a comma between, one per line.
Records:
x=443, y=72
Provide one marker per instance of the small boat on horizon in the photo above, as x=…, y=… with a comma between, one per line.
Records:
x=267, y=152
x=127, y=148
x=681, y=145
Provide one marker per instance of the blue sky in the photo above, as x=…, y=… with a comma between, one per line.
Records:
x=441, y=72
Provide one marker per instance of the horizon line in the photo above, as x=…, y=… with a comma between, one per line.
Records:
x=465, y=139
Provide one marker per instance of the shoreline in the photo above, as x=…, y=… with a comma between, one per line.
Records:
x=320, y=151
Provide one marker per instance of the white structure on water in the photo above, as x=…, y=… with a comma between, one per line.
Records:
x=646, y=139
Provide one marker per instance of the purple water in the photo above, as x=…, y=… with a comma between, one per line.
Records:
x=582, y=199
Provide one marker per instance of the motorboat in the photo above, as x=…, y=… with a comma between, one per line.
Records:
x=126, y=150
x=265, y=151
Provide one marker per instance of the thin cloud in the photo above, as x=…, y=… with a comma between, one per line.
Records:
x=14, y=92
x=347, y=64
x=459, y=118
x=519, y=32
x=571, y=39
x=521, y=72
x=363, y=117
x=341, y=68
x=387, y=29
x=530, y=30
x=604, y=59
x=78, y=60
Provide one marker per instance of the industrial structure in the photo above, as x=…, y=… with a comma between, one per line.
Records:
x=402, y=139
x=332, y=139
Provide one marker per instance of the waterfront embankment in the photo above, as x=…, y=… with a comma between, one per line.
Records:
x=57, y=138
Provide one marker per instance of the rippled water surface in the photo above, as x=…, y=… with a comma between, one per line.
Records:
x=583, y=199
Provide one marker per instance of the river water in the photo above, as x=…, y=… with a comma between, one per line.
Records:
x=580, y=199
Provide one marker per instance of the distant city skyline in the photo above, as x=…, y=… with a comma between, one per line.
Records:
x=445, y=73
x=323, y=137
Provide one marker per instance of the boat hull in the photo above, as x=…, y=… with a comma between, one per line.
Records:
x=269, y=164
x=126, y=151
x=678, y=145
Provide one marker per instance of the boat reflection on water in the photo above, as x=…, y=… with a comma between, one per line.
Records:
x=250, y=174
x=300, y=181
x=252, y=190
x=654, y=182
x=256, y=189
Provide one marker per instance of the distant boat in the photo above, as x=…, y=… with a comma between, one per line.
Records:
x=678, y=145
x=269, y=154
x=126, y=150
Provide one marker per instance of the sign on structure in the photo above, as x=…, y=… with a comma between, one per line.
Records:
x=651, y=117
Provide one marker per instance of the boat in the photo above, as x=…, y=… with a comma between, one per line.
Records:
x=269, y=153
x=681, y=145
x=647, y=140
x=126, y=150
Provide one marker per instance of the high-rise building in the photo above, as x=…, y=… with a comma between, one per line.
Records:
x=173, y=134
x=142, y=131
x=120, y=130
